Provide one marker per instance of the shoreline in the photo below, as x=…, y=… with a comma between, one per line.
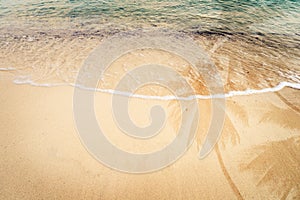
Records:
x=247, y=92
x=57, y=62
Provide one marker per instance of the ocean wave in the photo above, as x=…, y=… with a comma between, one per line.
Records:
x=280, y=86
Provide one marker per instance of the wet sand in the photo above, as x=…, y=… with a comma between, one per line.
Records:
x=49, y=58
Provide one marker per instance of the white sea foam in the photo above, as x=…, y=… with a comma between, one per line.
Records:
x=278, y=87
x=7, y=69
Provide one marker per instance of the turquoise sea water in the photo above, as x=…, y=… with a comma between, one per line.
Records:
x=215, y=16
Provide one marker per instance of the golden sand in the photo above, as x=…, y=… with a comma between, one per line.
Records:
x=42, y=157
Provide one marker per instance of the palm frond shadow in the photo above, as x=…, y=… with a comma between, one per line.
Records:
x=276, y=165
x=229, y=134
x=239, y=111
x=288, y=103
x=286, y=118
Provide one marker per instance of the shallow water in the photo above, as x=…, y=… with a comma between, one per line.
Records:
x=254, y=44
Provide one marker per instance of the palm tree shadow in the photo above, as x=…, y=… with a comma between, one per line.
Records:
x=282, y=97
x=239, y=111
x=277, y=165
x=288, y=103
x=229, y=134
x=286, y=118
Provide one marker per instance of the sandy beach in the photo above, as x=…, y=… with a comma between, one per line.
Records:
x=223, y=75
x=42, y=157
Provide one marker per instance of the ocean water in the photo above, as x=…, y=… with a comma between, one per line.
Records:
x=45, y=42
x=219, y=17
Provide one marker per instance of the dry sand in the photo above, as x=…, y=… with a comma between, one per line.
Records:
x=42, y=156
